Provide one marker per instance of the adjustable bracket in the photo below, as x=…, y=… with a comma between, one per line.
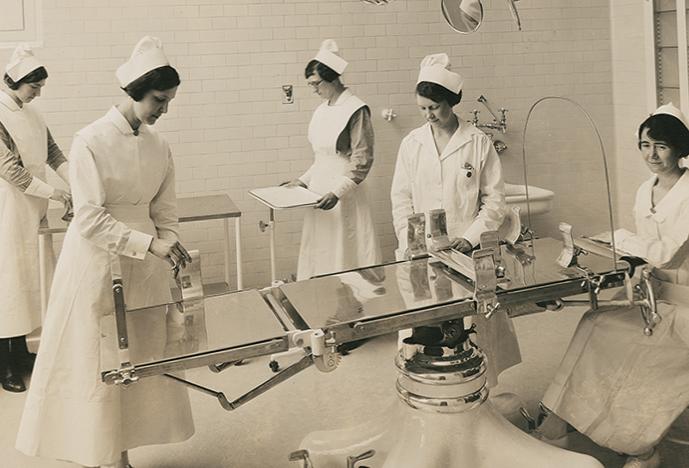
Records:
x=486, y=282
x=313, y=342
x=645, y=298
x=228, y=405
x=126, y=374
x=570, y=252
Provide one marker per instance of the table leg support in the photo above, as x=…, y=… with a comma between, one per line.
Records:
x=238, y=250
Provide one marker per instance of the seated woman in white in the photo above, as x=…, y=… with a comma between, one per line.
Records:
x=617, y=386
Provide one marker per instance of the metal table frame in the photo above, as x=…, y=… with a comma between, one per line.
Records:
x=316, y=343
x=189, y=209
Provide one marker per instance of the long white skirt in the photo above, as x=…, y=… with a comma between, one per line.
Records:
x=619, y=387
x=338, y=239
x=70, y=414
x=20, y=309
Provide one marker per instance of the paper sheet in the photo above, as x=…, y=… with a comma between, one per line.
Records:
x=283, y=197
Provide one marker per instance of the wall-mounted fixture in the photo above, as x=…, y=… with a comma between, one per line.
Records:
x=515, y=13
x=498, y=123
x=377, y=2
x=464, y=16
x=388, y=114
x=287, y=94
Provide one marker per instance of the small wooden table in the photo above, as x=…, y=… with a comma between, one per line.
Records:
x=189, y=209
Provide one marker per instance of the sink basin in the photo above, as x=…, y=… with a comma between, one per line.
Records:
x=540, y=199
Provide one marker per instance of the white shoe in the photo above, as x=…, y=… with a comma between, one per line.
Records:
x=651, y=462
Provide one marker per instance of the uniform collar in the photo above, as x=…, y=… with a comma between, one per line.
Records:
x=119, y=120
x=678, y=194
x=342, y=98
x=7, y=101
x=462, y=136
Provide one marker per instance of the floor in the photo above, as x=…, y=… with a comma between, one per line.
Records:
x=262, y=433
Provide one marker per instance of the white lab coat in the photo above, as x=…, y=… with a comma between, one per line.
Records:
x=466, y=181
x=124, y=194
x=343, y=237
x=619, y=387
x=21, y=213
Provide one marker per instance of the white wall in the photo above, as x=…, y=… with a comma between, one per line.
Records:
x=230, y=132
x=630, y=68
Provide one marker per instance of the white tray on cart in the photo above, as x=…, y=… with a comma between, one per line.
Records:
x=282, y=197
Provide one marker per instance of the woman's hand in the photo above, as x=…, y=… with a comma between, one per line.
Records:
x=461, y=244
x=327, y=201
x=294, y=183
x=62, y=196
x=171, y=251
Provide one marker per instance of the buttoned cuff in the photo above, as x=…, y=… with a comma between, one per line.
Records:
x=38, y=188
x=137, y=244
x=345, y=185
x=473, y=235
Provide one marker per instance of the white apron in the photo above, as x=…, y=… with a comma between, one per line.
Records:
x=70, y=414
x=20, y=310
x=343, y=237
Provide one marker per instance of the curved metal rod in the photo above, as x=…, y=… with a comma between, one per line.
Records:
x=605, y=165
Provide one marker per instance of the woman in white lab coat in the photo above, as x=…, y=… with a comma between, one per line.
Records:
x=449, y=164
x=339, y=234
x=617, y=386
x=123, y=183
x=26, y=146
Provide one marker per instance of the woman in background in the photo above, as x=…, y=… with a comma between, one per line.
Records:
x=339, y=234
x=449, y=164
x=617, y=386
x=125, y=205
x=26, y=146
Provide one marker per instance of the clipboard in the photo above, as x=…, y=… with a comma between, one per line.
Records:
x=282, y=197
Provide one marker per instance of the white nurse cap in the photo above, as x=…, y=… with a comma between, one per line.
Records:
x=147, y=55
x=435, y=68
x=22, y=63
x=670, y=109
x=328, y=55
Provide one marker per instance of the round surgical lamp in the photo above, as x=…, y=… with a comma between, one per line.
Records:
x=464, y=16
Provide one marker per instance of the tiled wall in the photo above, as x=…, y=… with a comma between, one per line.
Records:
x=630, y=100
x=230, y=132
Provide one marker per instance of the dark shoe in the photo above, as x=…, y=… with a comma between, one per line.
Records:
x=13, y=383
x=27, y=361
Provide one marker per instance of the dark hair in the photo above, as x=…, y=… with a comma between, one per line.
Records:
x=437, y=93
x=667, y=128
x=324, y=71
x=159, y=79
x=35, y=76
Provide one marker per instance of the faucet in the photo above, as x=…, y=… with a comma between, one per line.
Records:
x=498, y=123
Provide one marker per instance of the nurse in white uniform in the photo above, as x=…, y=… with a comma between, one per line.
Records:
x=449, y=164
x=123, y=182
x=617, y=386
x=26, y=146
x=339, y=234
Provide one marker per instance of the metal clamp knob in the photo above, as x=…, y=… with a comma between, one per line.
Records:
x=352, y=460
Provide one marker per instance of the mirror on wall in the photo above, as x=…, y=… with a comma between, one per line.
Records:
x=464, y=16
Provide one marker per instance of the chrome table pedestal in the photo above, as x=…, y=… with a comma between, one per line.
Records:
x=442, y=418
